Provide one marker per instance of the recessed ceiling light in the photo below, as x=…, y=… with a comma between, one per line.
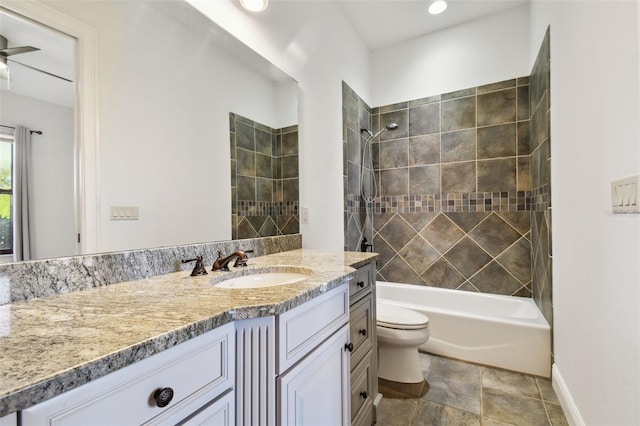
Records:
x=437, y=7
x=254, y=5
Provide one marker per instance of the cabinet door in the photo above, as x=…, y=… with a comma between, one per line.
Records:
x=218, y=413
x=9, y=420
x=316, y=390
x=362, y=328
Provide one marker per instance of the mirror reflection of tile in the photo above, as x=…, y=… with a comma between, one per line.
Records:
x=264, y=179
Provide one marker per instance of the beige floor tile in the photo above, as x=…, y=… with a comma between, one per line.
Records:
x=425, y=363
x=396, y=412
x=513, y=408
x=510, y=382
x=467, y=394
x=556, y=415
x=546, y=390
x=454, y=370
x=491, y=422
x=454, y=393
x=433, y=414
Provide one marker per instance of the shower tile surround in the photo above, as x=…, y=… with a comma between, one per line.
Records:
x=541, y=181
x=464, y=200
x=356, y=115
x=454, y=189
x=264, y=179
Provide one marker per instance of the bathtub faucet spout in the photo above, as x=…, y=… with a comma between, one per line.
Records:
x=365, y=246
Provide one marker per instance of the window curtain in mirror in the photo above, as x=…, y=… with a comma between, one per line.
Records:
x=21, y=174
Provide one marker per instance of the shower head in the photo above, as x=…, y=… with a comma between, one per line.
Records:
x=368, y=132
x=392, y=126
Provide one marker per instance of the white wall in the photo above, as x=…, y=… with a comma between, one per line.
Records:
x=478, y=52
x=596, y=268
x=53, y=222
x=323, y=51
x=165, y=91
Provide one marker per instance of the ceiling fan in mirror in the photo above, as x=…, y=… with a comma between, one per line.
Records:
x=6, y=52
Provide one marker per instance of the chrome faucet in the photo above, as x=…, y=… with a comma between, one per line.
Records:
x=223, y=264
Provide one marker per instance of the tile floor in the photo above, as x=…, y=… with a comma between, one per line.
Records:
x=468, y=394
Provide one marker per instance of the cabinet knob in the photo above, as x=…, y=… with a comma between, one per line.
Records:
x=360, y=284
x=363, y=331
x=163, y=397
x=364, y=394
x=348, y=347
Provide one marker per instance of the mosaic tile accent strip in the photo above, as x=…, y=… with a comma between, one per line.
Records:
x=455, y=202
x=267, y=208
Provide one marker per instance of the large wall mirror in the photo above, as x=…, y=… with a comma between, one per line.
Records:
x=169, y=83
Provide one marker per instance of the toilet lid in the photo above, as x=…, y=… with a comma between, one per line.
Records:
x=391, y=316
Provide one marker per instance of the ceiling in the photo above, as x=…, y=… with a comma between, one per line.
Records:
x=383, y=23
x=380, y=23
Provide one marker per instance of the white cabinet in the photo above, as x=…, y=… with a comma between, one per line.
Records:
x=306, y=326
x=316, y=391
x=192, y=376
x=9, y=420
x=218, y=412
x=294, y=369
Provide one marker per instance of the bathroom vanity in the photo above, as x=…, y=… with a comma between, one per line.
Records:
x=364, y=361
x=175, y=349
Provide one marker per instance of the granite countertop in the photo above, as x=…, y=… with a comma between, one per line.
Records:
x=54, y=344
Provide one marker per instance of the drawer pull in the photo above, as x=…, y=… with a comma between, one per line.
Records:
x=363, y=331
x=163, y=397
x=364, y=394
x=360, y=284
x=348, y=347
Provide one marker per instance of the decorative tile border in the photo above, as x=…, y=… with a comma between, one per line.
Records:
x=451, y=202
x=541, y=198
x=267, y=208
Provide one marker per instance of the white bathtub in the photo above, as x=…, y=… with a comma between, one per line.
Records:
x=502, y=331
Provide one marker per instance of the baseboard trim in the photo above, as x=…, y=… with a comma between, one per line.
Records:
x=567, y=403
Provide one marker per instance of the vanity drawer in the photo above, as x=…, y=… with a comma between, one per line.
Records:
x=197, y=371
x=304, y=327
x=361, y=324
x=363, y=281
x=362, y=393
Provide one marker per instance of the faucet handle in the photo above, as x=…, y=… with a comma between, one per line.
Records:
x=199, y=268
x=242, y=260
x=217, y=264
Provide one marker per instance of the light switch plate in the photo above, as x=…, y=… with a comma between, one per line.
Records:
x=625, y=195
x=124, y=212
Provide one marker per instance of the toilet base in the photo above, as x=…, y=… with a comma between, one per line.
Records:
x=399, y=363
x=397, y=390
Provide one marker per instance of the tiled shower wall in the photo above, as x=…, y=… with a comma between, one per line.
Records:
x=264, y=179
x=356, y=115
x=464, y=184
x=455, y=181
x=541, y=180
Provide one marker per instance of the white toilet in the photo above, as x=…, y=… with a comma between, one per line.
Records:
x=400, y=332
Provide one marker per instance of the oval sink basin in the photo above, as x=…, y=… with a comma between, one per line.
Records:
x=262, y=279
